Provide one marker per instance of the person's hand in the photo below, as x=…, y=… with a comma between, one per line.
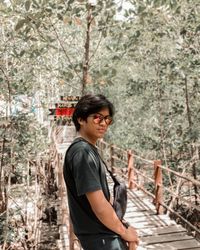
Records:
x=131, y=235
x=132, y=246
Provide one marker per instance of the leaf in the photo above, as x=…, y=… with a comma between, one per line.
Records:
x=35, y=4
x=70, y=75
x=70, y=1
x=60, y=17
x=22, y=53
x=114, y=72
x=27, y=5
x=115, y=57
x=38, y=24
x=20, y=24
x=15, y=53
x=197, y=28
x=119, y=9
x=141, y=9
x=60, y=7
x=27, y=30
x=33, y=39
x=178, y=10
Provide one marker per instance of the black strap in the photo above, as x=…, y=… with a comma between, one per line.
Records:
x=110, y=172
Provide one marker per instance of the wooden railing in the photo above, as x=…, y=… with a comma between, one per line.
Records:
x=67, y=238
x=149, y=176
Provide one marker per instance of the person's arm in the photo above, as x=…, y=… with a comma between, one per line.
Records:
x=106, y=214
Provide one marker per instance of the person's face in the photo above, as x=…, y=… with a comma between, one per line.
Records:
x=96, y=125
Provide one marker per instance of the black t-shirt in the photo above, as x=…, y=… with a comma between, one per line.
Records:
x=84, y=172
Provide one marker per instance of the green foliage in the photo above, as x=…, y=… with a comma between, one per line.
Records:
x=154, y=53
x=31, y=139
x=140, y=62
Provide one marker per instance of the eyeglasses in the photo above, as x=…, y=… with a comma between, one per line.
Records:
x=98, y=118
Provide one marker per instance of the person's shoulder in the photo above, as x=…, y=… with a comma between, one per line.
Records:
x=81, y=150
x=79, y=145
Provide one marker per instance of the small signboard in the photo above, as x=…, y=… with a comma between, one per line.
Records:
x=70, y=98
x=64, y=109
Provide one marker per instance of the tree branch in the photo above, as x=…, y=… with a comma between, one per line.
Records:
x=8, y=86
x=87, y=49
x=61, y=44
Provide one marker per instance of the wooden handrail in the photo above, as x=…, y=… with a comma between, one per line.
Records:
x=196, y=182
x=133, y=174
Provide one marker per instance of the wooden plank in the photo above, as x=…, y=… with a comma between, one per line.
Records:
x=132, y=194
x=176, y=245
x=193, y=248
x=161, y=230
x=142, y=225
x=136, y=210
x=144, y=204
x=166, y=238
x=153, y=219
x=140, y=203
x=132, y=213
x=139, y=200
x=136, y=194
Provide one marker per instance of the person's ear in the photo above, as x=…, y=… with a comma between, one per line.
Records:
x=80, y=121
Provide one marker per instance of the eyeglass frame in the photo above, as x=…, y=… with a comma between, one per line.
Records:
x=102, y=118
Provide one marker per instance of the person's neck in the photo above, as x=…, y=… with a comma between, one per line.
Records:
x=85, y=137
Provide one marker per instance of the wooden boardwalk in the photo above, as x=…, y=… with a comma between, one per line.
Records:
x=156, y=231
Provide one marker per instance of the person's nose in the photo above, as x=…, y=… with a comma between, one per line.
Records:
x=103, y=122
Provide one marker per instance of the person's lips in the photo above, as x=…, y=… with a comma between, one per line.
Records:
x=102, y=130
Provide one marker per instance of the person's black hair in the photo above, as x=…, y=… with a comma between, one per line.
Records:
x=90, y=104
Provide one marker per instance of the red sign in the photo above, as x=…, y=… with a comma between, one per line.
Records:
x=64, y=111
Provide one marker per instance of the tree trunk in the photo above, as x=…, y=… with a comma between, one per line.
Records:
x=2, y=197
x=87, y=50
x=194, y=170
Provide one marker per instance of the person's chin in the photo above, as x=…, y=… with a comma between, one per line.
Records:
x=101, y=135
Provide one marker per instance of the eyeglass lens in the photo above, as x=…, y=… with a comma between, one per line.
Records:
x=99, y=118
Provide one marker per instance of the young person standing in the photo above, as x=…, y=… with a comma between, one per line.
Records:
x=94, y=220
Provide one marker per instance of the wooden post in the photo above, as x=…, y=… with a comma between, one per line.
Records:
x=131, y=183
x=158, y=186
x=111, y=158
x=72, y=237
